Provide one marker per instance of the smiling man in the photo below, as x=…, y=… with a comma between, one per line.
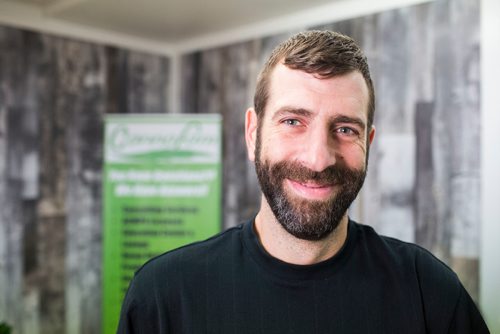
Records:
x=302, y=266
x=310, y=148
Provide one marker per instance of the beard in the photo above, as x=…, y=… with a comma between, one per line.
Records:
x=302, y=218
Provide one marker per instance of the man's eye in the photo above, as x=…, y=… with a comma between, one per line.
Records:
x=292, y=122
x=346, y=131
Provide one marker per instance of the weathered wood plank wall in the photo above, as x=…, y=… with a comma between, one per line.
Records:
x=424, y=172
x=54, y=94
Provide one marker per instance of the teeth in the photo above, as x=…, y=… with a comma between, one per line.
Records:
x=312, y=185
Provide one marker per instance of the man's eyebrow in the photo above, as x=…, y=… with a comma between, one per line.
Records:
x=348, y=120
x=291, y=110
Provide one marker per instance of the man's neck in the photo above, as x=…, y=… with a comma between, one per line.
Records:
x=284, y=246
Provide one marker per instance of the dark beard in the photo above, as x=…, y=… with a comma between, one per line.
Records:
x=308, y=219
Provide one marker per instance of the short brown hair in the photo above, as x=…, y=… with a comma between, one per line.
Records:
x=324, y=53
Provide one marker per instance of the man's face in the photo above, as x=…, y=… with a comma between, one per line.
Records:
x=310, y=148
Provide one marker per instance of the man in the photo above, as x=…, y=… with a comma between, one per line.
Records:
x=302, y=266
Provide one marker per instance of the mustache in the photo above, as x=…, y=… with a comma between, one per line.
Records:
x=333, y=174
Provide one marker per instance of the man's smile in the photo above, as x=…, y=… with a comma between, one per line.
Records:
x=310, y=189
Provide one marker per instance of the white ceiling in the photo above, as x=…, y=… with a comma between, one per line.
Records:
x=175, y=26
x=168, y=20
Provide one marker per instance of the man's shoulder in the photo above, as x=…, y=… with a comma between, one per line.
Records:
x=445, y=302
x=407, y=255
x=194, y=254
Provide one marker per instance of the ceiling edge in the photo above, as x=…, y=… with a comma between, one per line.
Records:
x=34, y=18
x=334, y=11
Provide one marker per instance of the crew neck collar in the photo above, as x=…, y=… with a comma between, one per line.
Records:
x=293, y=272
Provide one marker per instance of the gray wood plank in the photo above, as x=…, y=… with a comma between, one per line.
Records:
x=84, y=229
x=425, y=206
x=17, y=139
x=147, y=83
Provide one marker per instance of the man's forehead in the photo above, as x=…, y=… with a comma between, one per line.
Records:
x=292, y=85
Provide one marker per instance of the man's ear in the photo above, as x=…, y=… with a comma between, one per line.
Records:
x=371, y=134
x=251, y=121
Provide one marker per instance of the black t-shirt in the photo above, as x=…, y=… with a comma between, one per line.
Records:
x=230, y=284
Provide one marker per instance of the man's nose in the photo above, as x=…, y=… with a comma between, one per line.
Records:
x=318, y=151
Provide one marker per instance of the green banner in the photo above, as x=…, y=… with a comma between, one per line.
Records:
x=161, y=190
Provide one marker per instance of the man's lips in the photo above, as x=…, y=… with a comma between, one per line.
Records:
x=311, y=190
